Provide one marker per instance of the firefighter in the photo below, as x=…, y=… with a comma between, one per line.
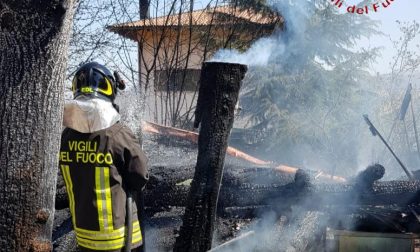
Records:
x=101, y=162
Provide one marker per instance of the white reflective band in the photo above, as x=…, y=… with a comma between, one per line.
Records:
x=102, y=235
x=110, y=244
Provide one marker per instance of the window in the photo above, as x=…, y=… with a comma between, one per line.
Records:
x=173, y=80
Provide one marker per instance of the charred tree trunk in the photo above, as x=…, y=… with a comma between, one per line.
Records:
x=33, y=51
x=144, y=8
x=219, y=90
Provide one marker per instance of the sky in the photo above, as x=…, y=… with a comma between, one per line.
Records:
x=402, y=10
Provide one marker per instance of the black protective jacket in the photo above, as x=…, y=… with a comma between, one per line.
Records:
x=98, y=169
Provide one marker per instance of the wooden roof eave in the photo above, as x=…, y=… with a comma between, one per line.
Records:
x=126, y=32
x=132, y=32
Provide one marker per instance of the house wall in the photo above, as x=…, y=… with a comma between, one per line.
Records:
x=165, y=51
x=157, y=110
x=170, y=48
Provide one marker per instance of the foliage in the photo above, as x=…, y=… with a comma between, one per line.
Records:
x=91, y=41
x=406, y=60
x=404, y=68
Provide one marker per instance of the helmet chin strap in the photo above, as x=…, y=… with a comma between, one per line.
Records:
x=86, y=83
x=117, y=108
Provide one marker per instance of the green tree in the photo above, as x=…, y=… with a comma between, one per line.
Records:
x=308, y=99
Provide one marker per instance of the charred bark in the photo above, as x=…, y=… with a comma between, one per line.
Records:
x=218, y=95
x=366, y=178
x=33, y=51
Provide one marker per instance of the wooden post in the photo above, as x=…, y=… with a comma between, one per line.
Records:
x=218, y=94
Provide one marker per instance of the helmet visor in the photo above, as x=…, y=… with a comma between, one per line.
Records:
x=101, y=83
x=80, y=81
x=95, y=81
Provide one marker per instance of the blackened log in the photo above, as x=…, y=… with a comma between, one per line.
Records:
x=253, y=187
x=218, y=95
x=169, y=185
x=387, y=219
x=318, y=196
x=367, y=177
x=63, y=228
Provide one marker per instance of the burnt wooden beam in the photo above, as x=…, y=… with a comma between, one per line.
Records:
x=219, y=90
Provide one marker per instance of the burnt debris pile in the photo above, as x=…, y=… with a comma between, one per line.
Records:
x=198, y=200
x=300, y=208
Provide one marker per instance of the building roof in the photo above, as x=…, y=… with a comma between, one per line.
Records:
x=221, y=15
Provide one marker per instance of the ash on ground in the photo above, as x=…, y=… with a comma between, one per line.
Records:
x=274, y=211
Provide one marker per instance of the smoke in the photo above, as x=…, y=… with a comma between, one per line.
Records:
x=260, y=53
x=278, y=233
x=281, y=45
x=336, y=139
x=131, y=106
x=307, y=88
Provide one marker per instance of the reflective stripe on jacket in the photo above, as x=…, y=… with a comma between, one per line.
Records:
x=97, y=169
